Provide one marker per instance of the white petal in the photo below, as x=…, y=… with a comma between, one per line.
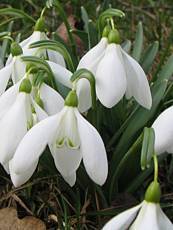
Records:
x=84, y=95
x=111, y=77
x=40, y=113
x=67, y=156
x=9, y=60
x=66, y=160
x=137, y=82
x=19, y=179
x=7, y=99
x=33, y=144
x=164, y=222
x=70, y=179
x=93, y=151
x=56, y=57
x=13, y=127
x=26, y=41
x=123, y=220
x=52, y=100
x=35, y=36
x=18, y=70
x=163, y=129
x=61, y=74
x=91, y=59
x=147, y=218
x=5, y=74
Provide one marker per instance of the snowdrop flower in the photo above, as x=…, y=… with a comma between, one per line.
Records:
x=70, y=138
x=147, y=215
x=164, y=131
x=17, y=115
x=39, y=35
x=116, y=73
x=15, y=69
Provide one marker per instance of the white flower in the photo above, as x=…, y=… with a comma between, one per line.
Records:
x=163, y=128
x=15, y=67
x=70, y=138
x=15, y=70
x=51, y=55
x=116, y=73
x=17, y=116
x=48, y=54
x=146, y=215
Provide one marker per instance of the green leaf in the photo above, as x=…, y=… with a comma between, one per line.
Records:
x=39, y=63
x=16, y=13
x=3, y=34
x=89, y=28
x=56, y=46
x=6, y=42
x=149, y=56
x=138, y=43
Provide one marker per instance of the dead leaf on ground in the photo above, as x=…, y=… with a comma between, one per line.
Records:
x=10, y=221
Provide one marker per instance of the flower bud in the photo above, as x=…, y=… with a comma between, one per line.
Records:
x=16, y=49
x=25, y=86
x=114, y=36
x=106, y=31
x=71, y=99
x=153, y=192
x=40, y=25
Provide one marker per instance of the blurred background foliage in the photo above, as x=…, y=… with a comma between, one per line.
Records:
x=86, y=205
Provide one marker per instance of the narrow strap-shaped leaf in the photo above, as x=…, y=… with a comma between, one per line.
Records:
x=6, y=42
x=89, y=28
x=138, y=43
x=149, y=56
x=16, y=13
x=56, y=46
x=39, y=63
x=122, y=165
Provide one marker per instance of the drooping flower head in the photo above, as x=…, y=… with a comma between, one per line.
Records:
x=70, y=138
x=15, y=68
x=117, y=74
x=22, y=106
x=147, y=215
